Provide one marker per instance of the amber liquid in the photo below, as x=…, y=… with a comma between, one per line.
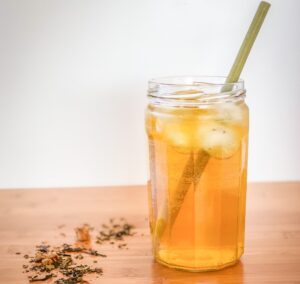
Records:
x=206, y=228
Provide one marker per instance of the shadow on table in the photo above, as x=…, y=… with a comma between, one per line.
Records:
x=164, y=275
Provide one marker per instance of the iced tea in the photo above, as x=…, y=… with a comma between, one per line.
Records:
x=197, y=189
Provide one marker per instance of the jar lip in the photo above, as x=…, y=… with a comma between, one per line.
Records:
x=194, y=90
x=194, y=81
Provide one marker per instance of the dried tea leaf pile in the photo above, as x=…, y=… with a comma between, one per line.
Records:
x=114, y=232
x=59, y=263
x=49, y=261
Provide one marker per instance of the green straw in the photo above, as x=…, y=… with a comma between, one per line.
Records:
x=247, y=44
x=201, y=160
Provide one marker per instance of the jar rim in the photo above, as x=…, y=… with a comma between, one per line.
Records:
x=194, y=80
x=194, y=90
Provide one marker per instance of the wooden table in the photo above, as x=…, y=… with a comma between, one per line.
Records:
x=29, y=216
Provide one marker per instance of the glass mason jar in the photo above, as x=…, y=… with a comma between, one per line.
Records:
x=198, y=138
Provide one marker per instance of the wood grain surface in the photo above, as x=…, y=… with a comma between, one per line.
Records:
x=30, y=216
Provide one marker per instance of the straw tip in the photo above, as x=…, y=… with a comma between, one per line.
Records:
x=265, y=4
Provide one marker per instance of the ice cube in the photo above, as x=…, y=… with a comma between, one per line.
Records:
x=219, y=140
x=229, y=112
x=178, y=135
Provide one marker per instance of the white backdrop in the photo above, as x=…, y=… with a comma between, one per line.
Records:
x=73, y=80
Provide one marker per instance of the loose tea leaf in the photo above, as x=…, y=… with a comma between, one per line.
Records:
x=40, y=278
x=83, y=233
x=69, y=248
